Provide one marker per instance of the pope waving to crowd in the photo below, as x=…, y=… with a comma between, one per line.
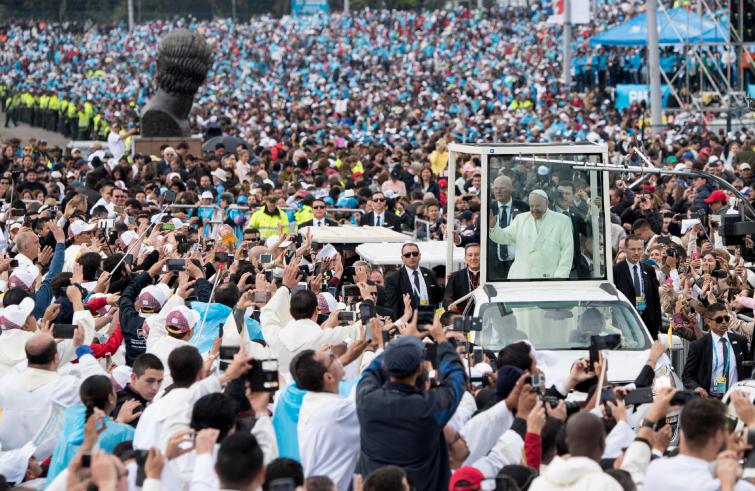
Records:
x=543, y=239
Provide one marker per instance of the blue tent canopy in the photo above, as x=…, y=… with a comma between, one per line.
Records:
x=678, y=26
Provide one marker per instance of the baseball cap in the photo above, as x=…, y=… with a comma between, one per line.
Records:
x=13, y=463
x=402, y=356
x=79, y=227
x=206, y=195
x=181, y=320
x=153, y=297
x=14, y=316
x=745, y=165
x=716, y=195
x=466, y=479
x=23, y=277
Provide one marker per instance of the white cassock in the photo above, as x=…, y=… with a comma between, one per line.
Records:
x=543, y=250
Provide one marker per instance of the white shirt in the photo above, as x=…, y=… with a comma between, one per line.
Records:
x=379, y=219
x=328, y=432
x=639, y=275
x=683, y=473
x=717, y=369
x=116, y=145
x=319, y=223
x=422, y=293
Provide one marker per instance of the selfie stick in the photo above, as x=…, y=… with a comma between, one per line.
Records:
x=138, y=240
x=218, y=274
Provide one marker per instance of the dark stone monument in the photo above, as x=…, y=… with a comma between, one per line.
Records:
x=183, y=59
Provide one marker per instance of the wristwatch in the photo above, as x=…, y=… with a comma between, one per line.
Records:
x=646, y=423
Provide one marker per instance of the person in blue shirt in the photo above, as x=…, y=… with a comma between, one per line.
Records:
x=87, y=424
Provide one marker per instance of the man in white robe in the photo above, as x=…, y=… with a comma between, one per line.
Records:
x=543, y=239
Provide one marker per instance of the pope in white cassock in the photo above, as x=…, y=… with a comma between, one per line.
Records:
x=543, y=239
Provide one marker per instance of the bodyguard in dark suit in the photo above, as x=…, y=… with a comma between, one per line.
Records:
x=505, y=208
x=714, y=362
x=380, y=216
x=464, y=281
x=318, y=219
x=412, y=279
x=639, y=284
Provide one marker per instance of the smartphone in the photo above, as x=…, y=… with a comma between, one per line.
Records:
x=304, y=271
x=642, y=395
x=269, y=275
x=301, y=286
x=263, y=376
x=141, y=460
x=347, y=317
x=222, y=257
x=318, y=269
x=106, y=223
x=477, y=354
x=350, y=290
x=167, y=227
x=266, y=258
x=226, y=355
x=16, y=212
x=607, y=394
x=682, y=397
x=425, y=316
x=431, y=354
x=86, y=460
x=169, y=196
x=63, y=331
x=261, y=297
x=175, y=265
x=366, y=312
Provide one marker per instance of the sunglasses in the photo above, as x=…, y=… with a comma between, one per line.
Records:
x=318, y=207
x=379, y=200
x=721, y=319
x=411, y=254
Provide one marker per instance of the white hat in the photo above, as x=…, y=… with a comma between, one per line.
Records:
x=680, y=166
x=56, y=174
x=13, y=463
x=181, y=320
x=79, y=227
x=543, y=170
x=178, y=223
x=170, y=176
x=273, y=239
x=14, y=316
x=540, y=193
x=15, y=226
x=206, y=195
x=153, y=297
x=121, y=375
x=23, y=277
x=220, y=174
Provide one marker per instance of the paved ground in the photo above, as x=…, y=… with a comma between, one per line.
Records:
x=24, y=132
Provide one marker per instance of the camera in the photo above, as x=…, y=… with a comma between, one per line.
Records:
x=467, y=324
x=719, y=273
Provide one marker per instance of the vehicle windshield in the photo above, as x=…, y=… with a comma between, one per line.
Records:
x=546, y=221
x=559, y=325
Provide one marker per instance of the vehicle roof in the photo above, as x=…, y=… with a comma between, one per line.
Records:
x=545, y=292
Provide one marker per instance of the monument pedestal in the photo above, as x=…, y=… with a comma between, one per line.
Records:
x=151, y=145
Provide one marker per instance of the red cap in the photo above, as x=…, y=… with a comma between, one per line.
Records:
x=466, y=479
x=716, y=195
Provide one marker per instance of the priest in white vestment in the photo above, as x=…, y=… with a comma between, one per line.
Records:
x=543, y=239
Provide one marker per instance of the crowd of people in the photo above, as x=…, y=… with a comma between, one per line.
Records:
x=232, y=351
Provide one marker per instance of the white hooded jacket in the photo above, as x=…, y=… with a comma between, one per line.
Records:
x=575, y=474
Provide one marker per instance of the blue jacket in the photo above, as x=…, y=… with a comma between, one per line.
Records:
x=72, y=436
x=43, y=296
x=402, y=425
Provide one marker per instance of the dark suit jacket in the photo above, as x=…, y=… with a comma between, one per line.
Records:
x=390, y=219
x=699, y=365
x=456, y=287
x=328, y=222
x=622, y=278
x=398, y=283
x=501, y=270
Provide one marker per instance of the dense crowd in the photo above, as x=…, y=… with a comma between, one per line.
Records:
x=169, y=322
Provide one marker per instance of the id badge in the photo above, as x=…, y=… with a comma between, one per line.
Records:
x=640, y=302
x=720, y=385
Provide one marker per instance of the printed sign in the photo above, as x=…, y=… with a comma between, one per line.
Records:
x=626, y=94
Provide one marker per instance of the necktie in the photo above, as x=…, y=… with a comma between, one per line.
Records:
x=379, y=221
x=503, y=222
x=725, y=348
x=416, y=282
x=637, y=282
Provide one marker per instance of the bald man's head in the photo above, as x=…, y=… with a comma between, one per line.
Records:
x=27, y=243
x=41, y=350
x=502, y=189
x=585, y=436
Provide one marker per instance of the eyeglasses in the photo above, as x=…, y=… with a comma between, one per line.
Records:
x=373, y=294
x=318, y=207
x=379, y=200
x=411, y=254
x=332, y=360
x=721, y=319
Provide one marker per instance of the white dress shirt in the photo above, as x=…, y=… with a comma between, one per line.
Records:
x=717, y=369
x=379, y=219
x=639, y=275
x=422, y=293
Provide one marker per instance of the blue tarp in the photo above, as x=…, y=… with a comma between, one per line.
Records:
x=679, y=25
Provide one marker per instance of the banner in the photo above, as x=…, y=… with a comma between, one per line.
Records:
x=626, y=94
x=580, y=12
x=309, y=7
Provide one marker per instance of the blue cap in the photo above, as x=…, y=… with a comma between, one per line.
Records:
x=402, y=356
